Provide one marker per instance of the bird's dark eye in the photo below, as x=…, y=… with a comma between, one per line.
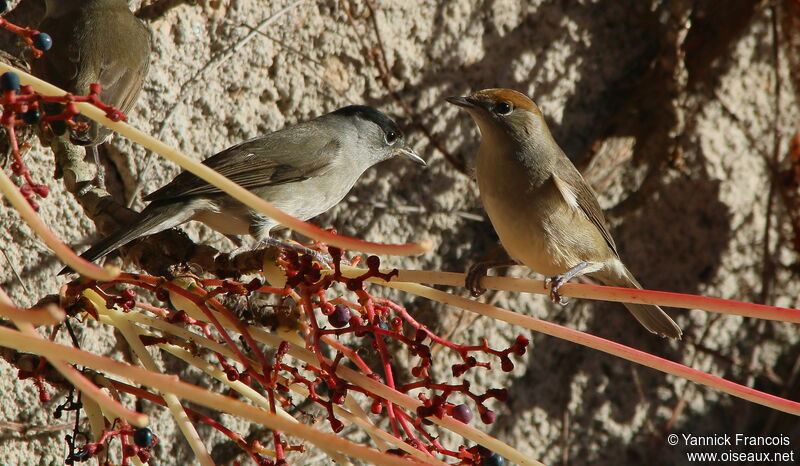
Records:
x=502, y=108
x=391, y=137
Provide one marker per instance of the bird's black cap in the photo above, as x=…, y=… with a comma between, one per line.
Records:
x=371, y=114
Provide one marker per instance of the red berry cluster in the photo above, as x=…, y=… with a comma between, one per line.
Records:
x=39, y=42
x=143, y=441
x=366, y=333
x=22, y=106
x=379, y=323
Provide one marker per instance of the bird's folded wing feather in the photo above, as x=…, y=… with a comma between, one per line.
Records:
x=265, y=161
x=121, y=84
x=575, y=189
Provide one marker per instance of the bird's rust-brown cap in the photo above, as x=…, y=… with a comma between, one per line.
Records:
x=517, y=99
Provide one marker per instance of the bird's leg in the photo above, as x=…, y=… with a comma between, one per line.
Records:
x=236, y=240
x=100, y=176
x=320, y=257
x=555, y=282
x=478, y=270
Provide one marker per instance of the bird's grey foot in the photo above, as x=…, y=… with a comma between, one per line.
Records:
x=479, y=270
x=318, y=256
x=475, y=274
x=556, y=281
x=100, y=176
x=84, y=187
x=236, y=240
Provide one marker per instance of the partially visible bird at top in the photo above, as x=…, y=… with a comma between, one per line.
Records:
x=94, y=42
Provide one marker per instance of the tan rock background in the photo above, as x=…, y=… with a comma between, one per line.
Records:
x=670, y=107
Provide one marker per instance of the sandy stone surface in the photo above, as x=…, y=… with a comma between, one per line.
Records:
x=677, y=146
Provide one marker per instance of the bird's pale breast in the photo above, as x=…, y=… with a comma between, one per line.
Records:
x=535, y=224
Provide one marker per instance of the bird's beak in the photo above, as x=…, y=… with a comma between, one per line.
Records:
x=461, y=102
x=409, y=153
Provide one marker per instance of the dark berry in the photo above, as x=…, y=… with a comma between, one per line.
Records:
x=10, y=81
x=493, y=460
x=42, y=41
x=31, y=117
x=336, y=425
x=506, y=364
x=3, y=6
x=81, y=455
x=340, y=316
x=162, y=294
x=488, y=416
x=373, y=262
x=462, y=413
x=143, y=437
x=323, y=389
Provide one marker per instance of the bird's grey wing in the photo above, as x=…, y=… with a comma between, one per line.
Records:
x=585, y=198
x=265, y=161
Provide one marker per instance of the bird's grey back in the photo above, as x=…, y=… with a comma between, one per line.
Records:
x=293, y=154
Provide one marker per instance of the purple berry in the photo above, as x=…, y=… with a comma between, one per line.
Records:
x=340, y=316
x=462, y=413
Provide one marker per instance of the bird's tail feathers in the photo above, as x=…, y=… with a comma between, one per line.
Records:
x=150, y=221
x=652, y=317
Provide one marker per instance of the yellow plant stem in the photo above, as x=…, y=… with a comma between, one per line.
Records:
x=173, y=402
x=356, y=414
x=48, y=315
x=10, y=190
x=608, y=293
x=595, y=342
x=172, y=384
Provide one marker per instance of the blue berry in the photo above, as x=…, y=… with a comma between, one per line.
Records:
x=42, y=41
x=31, y=117
x=340, y=316
x=81, y=455
x=10, y=81
x=143, y=437
x=492, y=459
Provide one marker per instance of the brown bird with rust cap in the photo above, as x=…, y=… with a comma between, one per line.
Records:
x=546, y=215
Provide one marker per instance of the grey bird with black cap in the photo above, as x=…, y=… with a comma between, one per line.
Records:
x=94, y=42
x=303, y=170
